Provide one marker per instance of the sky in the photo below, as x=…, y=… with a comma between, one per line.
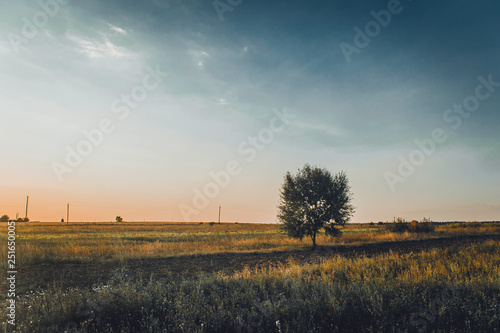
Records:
x=164, y=110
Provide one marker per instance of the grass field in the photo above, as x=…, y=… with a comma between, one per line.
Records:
x=168, y=277
x=41, y=242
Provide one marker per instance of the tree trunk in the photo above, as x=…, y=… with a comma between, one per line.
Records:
x=313, y=237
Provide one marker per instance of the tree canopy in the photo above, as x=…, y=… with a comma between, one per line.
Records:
x=314, y=200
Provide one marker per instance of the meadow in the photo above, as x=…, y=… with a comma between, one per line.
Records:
x=49, y=242
x=177, y=277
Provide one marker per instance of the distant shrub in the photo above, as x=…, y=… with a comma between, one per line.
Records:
x=425, y=227
x=211, y=224
x=414, y=226
x=4, y=218
x=421, y=227
x=397, y=227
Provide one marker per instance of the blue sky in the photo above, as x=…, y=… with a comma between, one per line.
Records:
x=222, y=82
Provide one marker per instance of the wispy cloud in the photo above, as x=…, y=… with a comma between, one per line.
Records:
x=117, y=29
x=199, y=57
x=98, y=49
x=222, y=101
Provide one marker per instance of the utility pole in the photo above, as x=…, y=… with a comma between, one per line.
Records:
x=219, y=214
x=27, y=201
x=67, y=214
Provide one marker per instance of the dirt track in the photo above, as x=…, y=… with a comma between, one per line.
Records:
x=32, y=277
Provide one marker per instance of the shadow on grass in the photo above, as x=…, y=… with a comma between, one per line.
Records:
x=76, y=273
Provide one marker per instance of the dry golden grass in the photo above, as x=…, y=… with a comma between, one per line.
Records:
x=38, y=242
x=366, y=291
x=469, y=264
x=447, y=290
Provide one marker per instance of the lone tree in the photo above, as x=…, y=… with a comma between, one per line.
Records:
x=314, y=200
x=4, y=218
x=119, y=219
